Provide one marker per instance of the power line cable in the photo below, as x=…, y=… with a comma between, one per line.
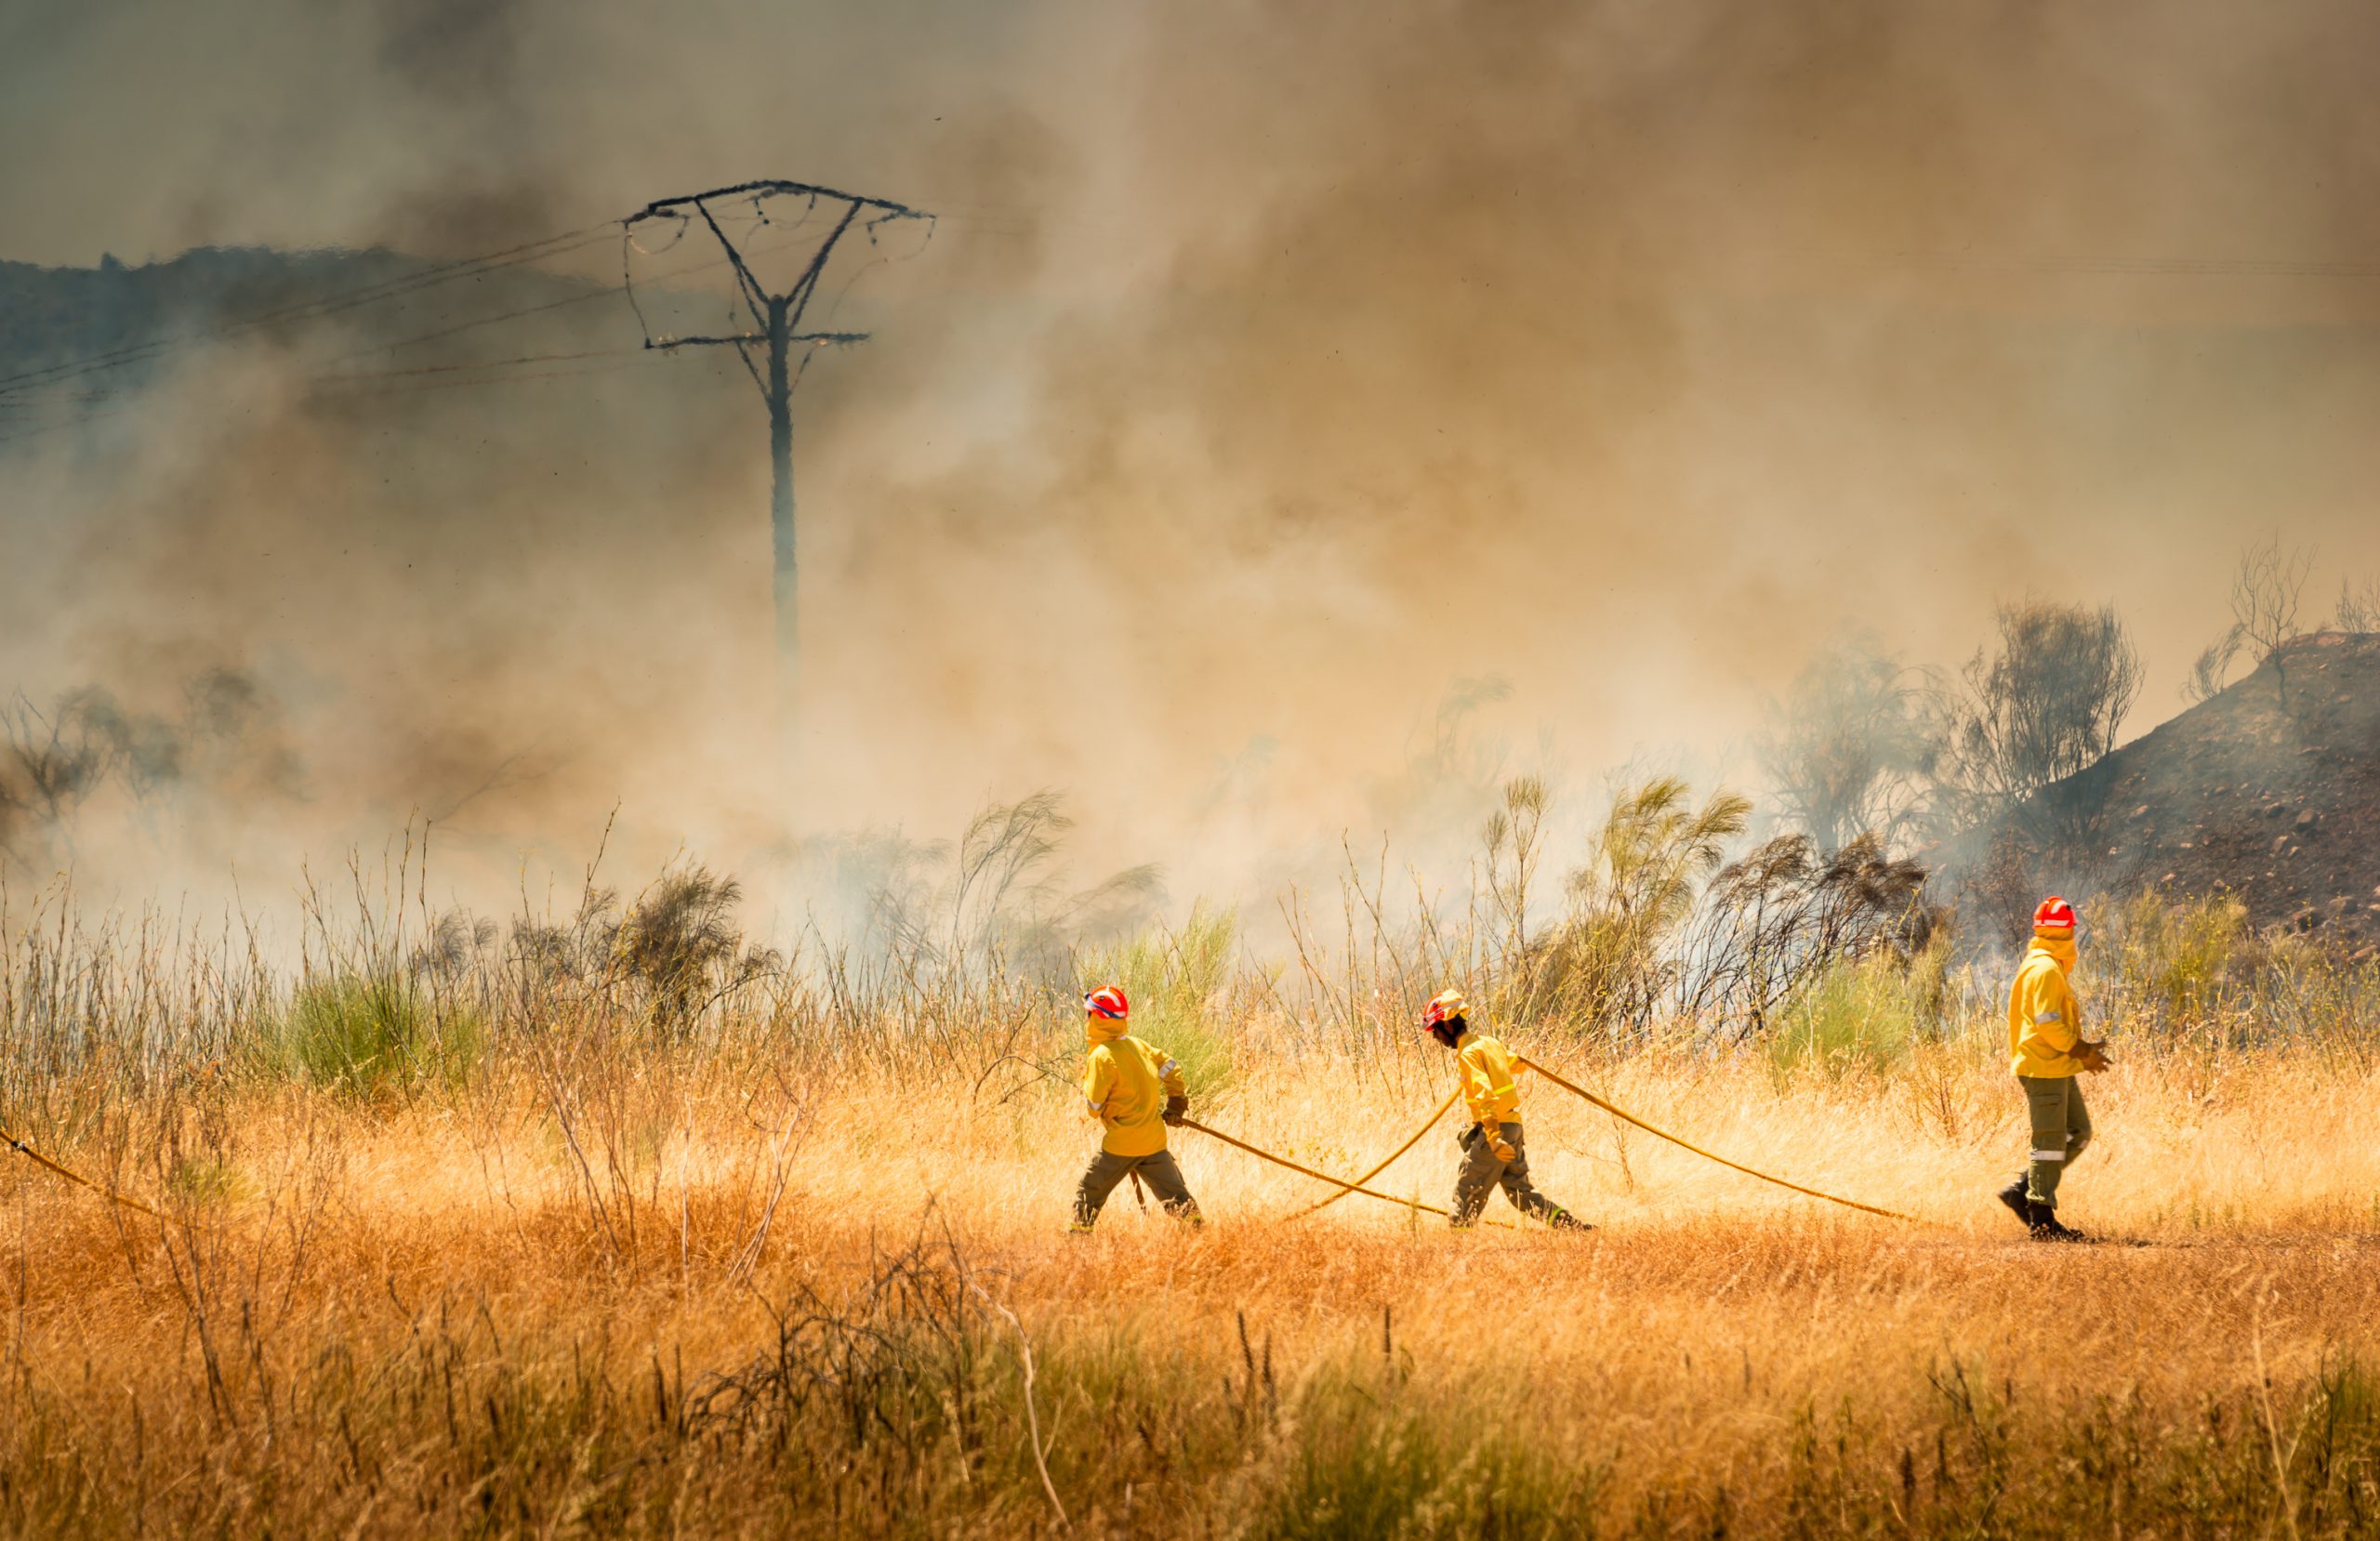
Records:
x=309, y=309
x=636, y=356
x=445, y=332
x=362, y=383
x=627, y=286
x=49, y=376
x=402, y=285
x=344, y=376
x=437, y=335
x=69, y=423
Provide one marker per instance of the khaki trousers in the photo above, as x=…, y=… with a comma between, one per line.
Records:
x=2061, y=1127
x=1160, y=1172
x=1482, y=1174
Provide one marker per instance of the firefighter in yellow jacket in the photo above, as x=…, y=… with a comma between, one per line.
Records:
x=1493, y=1154
x=2046, y=1048
x=1122, y=1081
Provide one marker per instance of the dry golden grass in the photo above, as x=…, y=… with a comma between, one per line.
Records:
x=643, y=1296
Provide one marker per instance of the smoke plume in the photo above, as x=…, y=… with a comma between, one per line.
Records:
x=1275, y=376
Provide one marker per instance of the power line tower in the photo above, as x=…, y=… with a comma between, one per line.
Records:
x=777, y=325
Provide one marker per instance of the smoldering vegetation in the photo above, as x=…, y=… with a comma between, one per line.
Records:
x=1902, y=795
x=86, y=759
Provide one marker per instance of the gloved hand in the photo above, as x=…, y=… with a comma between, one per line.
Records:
x=1176, y=1109
x=2092, y=1055
x=1496, y=1144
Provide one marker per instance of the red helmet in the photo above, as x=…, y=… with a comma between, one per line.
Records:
x=1108, y=1001
x=1445, y=1003
x=2055, y=914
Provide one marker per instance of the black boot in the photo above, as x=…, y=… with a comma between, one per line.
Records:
x=2043, y=1218
x=1562, y=1219
x=2013, y=1197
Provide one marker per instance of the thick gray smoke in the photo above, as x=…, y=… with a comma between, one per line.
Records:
x=1277, y=376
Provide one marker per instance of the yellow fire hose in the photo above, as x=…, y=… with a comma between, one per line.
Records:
x=1385, y=1162
x=1344, y=1187
x=1319, y=1177
x=1626, y=1116
x=23, y=1149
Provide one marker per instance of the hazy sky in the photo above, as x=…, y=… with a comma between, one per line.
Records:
x=1277, y=367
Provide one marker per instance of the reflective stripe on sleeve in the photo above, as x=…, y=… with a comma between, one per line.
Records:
x=2049, y=1017
x=1171, y=1068
x=2049, y=1155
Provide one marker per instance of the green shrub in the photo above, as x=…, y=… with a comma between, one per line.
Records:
x=1173, y=980
x=1863, y=1015
x=2172, y=960
x=368, y=1033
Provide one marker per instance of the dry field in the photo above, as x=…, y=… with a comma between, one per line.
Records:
x=594, y=1290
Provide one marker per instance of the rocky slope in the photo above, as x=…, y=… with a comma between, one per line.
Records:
x=2270, y=791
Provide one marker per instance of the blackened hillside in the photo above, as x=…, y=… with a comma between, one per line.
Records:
x=2270, y=791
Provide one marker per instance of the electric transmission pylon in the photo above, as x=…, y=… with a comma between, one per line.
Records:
x=776, y=320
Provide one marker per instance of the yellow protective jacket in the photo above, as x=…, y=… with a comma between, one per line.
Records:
x=2045, y=1016
x=1126, y=1083
x=1490, y=1092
